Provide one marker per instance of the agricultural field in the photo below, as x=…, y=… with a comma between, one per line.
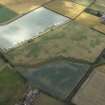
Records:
x=84, y=2
x=44, y=99
x=62, y=41
x=57, y=77
x=29, y=26
x=2, y=63
x=22, y=6
x=92, y=91
x=100, y=27
x=13, y=8
x=66, y=8
x=98, y=5
x=88, y=19
x=12, y=86
x=91, y=21
x=54, y=46
x=6, y=14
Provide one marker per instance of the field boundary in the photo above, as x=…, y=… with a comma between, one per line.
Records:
x=21, y=15
x=91, y=69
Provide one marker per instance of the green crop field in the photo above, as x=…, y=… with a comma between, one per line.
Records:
x=1, y=63
x=23, y=6
x=6, y=14
x=58, y=77
x=12, y=86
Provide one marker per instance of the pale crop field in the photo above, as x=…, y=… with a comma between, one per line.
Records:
x=88, y=19
x=22, y=6
x=66, y=8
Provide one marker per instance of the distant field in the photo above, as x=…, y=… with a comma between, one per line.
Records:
x=66, y=8
x=12, y=86
x=12, y=8
x=22, y=6
x=100, y=27
x=91, y=21
x=69, y=40
x=6, y=14
x=99, y=5
x=83, y=2
x=88, y=19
